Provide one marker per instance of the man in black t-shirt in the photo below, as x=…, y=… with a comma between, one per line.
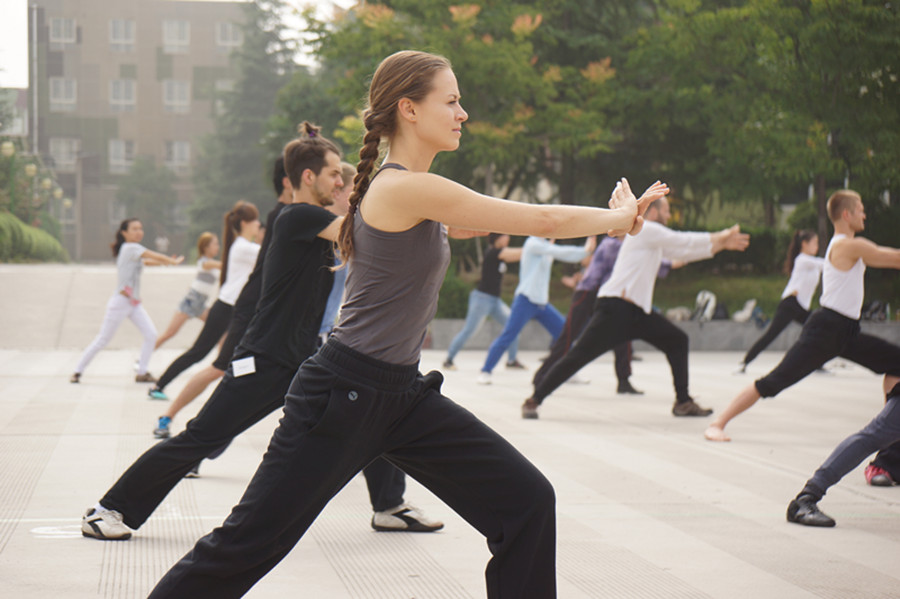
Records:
x=295, y=285
x=485, y=300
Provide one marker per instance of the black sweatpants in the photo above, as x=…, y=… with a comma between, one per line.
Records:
x=236, y=404
x=215, y=326
x=580, y=312
x=788, y=310
x=614, y=322
x=343, y=410
x=826, y=335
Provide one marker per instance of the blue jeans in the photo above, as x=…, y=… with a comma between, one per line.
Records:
x=522, y=311
x=482, y=305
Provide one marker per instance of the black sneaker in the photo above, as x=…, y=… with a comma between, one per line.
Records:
x=625, y=388
x=804, y=510
x=516, y=365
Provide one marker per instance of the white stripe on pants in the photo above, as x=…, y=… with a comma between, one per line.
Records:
x=118, y=308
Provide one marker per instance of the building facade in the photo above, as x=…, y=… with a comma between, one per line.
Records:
x=119, y=80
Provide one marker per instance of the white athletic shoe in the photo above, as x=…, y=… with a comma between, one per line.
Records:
x=484, y=378
x=106, y=525
x=404, y=518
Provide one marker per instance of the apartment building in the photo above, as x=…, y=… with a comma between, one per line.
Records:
x=118, y=79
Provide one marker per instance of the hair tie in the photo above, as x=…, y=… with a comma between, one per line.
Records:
x=311, y=133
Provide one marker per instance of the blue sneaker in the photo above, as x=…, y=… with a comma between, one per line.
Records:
x=162, y=428
x=155, y=393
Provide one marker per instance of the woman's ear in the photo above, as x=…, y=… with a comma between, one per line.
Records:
x=407, y=109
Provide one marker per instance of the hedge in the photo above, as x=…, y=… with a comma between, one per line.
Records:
x=22, y=243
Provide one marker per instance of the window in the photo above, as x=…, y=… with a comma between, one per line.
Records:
x=121, y=155
x=223, y=88
x=122, y=95
x=62, y=31
x=228, y=36
x=176, y=96
x=121, y=35
x=178, y=156
x=64, y=151
x=63, y=94
x=176, y=37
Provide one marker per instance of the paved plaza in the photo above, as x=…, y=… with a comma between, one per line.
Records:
x=645, y=506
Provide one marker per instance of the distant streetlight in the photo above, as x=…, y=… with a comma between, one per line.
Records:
x=58, y=193
x=46, y=183
x=7, y=148
x=30, y=169
x=67, y=203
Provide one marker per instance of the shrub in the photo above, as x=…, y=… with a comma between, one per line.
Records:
x=22, y=243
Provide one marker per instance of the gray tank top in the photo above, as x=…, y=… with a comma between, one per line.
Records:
x=392, y=289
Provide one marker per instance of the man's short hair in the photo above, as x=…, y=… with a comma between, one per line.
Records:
x=842, y=199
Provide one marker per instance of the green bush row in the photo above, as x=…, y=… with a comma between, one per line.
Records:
x=22, y=243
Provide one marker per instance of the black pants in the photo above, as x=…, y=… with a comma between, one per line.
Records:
x=788, y=310
x=614, y=322
x=237, y=404
x=343, y=410
x=827, y=335
x=580, y=312
x=215, y=326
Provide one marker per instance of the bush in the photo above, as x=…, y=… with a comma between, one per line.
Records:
x=454, y=298
x=22, y=243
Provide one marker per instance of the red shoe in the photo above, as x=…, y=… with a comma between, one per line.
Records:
x=878, y=477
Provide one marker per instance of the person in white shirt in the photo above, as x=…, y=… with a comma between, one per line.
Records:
x=202, y=287
x=126, y=301
x=623, y=310
x=833, y=329
x=532, y=296
x=241, y=227
x=805, y=269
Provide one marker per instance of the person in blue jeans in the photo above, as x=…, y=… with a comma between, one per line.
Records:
x=532, y=297
x=485, y=299
x=881, y=433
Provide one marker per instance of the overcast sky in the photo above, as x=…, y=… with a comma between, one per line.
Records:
x=14, y=36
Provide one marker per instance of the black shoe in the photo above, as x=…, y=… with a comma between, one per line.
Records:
x=689, y=408
x=626, y=388
x=804, y=510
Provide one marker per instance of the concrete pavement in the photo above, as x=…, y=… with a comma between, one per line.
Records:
x=646, y=507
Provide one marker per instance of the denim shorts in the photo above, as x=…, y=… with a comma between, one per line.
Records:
x=193, y=304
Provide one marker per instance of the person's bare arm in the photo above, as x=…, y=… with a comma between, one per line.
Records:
x=397, y=203
x=508, y=254
x=212, y=264
x=152, y=258
x=846, y=252
x=333, y=229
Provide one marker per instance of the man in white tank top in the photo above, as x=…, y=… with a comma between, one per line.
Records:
x=833, y=329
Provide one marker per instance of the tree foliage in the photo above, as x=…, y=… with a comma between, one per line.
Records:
x=147, y=193
x=232, y=163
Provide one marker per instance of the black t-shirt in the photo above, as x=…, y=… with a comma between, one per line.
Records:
x=296, y=281
x=492, y=270
x=245, y=305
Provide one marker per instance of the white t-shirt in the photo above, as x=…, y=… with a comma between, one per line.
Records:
x=205, y=281
x=634, y=274
x=241, y=260
x=804, y=279
x=129, y=266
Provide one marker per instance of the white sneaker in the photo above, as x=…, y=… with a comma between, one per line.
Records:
x=484, y=378
x=106, y=525
x=404, y=518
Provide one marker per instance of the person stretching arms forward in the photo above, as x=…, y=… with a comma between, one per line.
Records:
x=362, y=396
x=833, y=329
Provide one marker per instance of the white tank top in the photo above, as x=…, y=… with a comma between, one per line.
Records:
x=843, y=290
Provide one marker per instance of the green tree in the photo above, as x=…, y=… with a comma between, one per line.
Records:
x=147, y=192
x=232, y=164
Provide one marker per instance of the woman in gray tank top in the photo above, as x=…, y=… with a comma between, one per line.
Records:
x=361, y=396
